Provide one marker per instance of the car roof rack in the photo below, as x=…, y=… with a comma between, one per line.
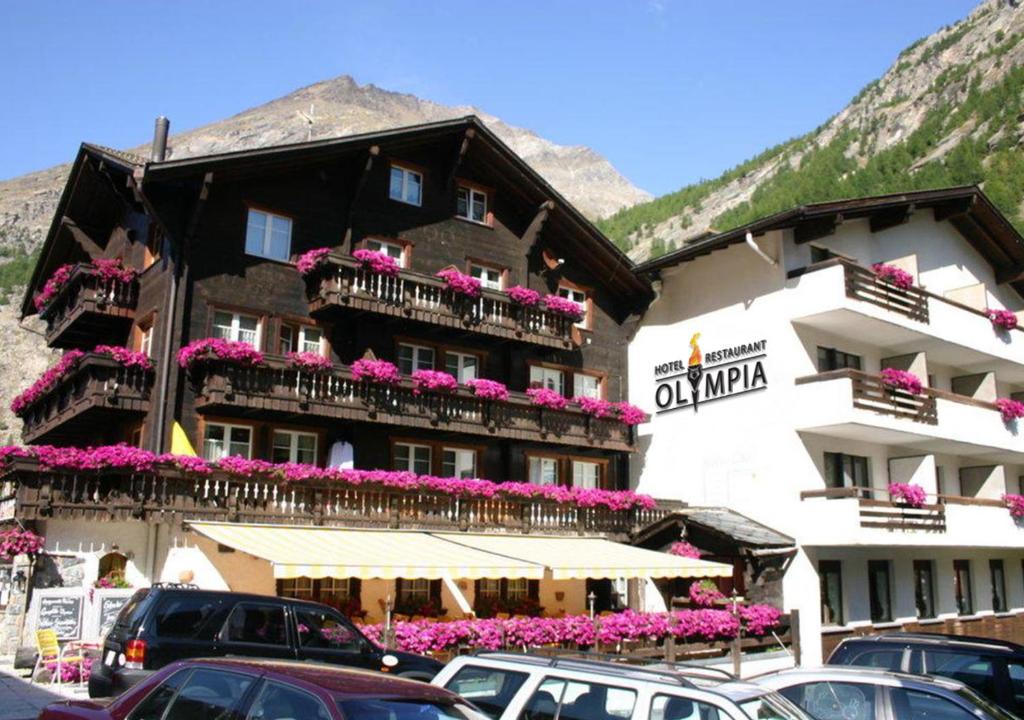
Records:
x=174, y=586
x=587, y=662
x=947, y=639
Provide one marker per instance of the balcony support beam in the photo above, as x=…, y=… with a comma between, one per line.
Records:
x=817, y=229
x=371, y=154
x=459, y=156
x=533, y=230
x=892, y=218
x=80, y=236
x=952, y=209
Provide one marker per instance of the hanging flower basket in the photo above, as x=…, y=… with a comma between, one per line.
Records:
x=523, y=296
x=312, y=260
x=20, y=542
x=460, y=283
x=310, y=362
x=1015, y=504
x=376, y=372
x=376, y=262
x=545, y=397
x=893, y=275
x=902, y=380
x=705, y=593
x=433, y=381
x=907, y=494
x=684, y=549
x=1003, y=319
x=488, y=389
x=1010, y=409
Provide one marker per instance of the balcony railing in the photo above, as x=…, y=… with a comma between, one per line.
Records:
x=171, y=496
x=877, y=510
x=98, y=388
x=863, y=284
x=870, y=393
x=89, y=310
x=276, y=386
x=342, y=283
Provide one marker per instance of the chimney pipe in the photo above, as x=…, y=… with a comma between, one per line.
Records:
x=159, y=151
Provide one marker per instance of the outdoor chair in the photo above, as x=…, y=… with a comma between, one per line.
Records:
x=50, y=650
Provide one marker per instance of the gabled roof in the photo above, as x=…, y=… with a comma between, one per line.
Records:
x=966, y=207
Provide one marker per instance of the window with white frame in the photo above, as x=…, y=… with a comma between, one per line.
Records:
x=580, y=298
x=301, y=338
x=414, y=590
x=146, y=340
x=458, y=462
x=268, y=235
x=293, y=446
x=394, y=250
x=543, y=470
x=550, y=378
x=584, y=385
x=414, y=357
x=406, y=185
x=236, y=326
x=412, y=458
x=586, y=474
x=221, y=440
x=472, y=204
x=463, y=366
x=489, y=277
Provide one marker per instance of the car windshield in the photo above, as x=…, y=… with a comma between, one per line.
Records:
x=411, y=709
x=991, y=709
x=772, y=706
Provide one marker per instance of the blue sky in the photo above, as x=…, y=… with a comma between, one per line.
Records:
x=670, y=91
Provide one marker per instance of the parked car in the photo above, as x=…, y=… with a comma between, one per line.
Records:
x=504, y=686
x=849, y=693
x=224, y=689
x=162, y=624
x=994, y=668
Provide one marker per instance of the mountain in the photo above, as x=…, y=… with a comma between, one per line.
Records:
x=949, y=111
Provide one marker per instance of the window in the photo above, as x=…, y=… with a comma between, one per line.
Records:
x=517, y=589
x=674, y=707
x=406, y=185
x=471, y=204
x=259, y=624
x=580, y=298
x=884, y=659
x=268, y=235
x=300, y=338
x=830, y=573
x=549, y=378
x=407, y=708
x=323, y=629
x=336, y=592
x=962, y=587
x=277, y=701
x=414, y=357
x=584, y=385
x=846, y=470
x=186, y=616
x=915, y=704
x=208, y=695
x=221, y=440
x=586, y=474
x=998, y=578
x=394, y=250
x=295, y=447
x=414, y=591
x=458, y=462
x=924, y=588
x=834, y=700
x=832, y=359
x=144, y=336
x=152, y=708
x=543, y=470
x=488, y=587
x=490, y=689
x=234, y=326
x=974, y=670
x=413, y=458
x=489, y=277
x=462, y=366
x=880, y=590
x=578, y=700
x=300, y=588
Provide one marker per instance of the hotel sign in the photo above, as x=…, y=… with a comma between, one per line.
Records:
x=709, y=376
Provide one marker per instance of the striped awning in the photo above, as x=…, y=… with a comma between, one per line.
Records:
x=569, y=558
x=318, y=552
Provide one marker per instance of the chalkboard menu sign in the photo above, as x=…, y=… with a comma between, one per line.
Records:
x=109, y=608
x=63, y=614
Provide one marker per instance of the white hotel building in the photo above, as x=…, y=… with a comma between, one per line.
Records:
x=793, y=428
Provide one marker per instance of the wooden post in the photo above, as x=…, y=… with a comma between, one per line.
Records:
x=734, y=652
x=794, y=636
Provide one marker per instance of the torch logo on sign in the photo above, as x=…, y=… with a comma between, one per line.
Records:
x=714, y=375
x=695, y=369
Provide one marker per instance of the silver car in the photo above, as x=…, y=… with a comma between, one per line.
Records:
x=849, y=693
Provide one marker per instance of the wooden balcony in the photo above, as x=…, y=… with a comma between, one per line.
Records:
x=342, y=284
x=96, y=392
x=89, y=310
x=167, y=495
x=877, y=510
x=870, y=393
x=276, y=387
x=862, y=284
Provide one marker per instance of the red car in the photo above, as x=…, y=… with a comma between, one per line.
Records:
x=243, y=689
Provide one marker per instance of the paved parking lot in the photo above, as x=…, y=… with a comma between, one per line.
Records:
x=22, y=700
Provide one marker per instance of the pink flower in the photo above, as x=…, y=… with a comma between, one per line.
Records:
x=312, y=260
x=563, y=306
x=631, y=414
x=1003, y=318
x=378, y=372
x=460, y=283
x=684, y=549
x=206, y=349
x=112, y=270
x=125, y=357
x=20, y=542
x=1010, y=409
x=902, y=380
x=488, y=389
x=907, y=493
x=377, y=262
x=1015, y=503
x=53, y=285
x=546, y=397
x=893, y=275
x=310, y=361
x=595, y=406
x=433, y=381
x=705, y=593
x=523, y=296
x=107, y=269
x=48, y=380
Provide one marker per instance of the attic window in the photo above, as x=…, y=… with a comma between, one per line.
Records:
x=406, y=185
x=471, y=204
x=268, y=235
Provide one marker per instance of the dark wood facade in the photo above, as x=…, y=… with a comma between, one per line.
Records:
x=183, y=225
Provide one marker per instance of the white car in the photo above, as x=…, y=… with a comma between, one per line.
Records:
x=512, y=686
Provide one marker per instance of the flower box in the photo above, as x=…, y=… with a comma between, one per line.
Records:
x=312, y=260
x=460, y=283
x=1003, y=319
x=1010, y=409
x=545, y=397
x=376, y=372
x=907, y=494
x=563, y=306
x=902, y=380
x=231, y=351
x=433, y=381
x=488, y=389
x=310, y=362
x=376, y=262
x=523, y=296
x=893, y=275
